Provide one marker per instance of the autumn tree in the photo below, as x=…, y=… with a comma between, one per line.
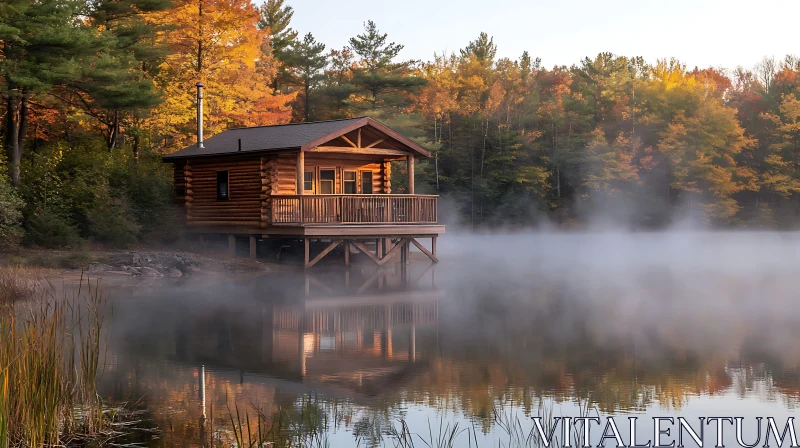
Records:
x=218, y=43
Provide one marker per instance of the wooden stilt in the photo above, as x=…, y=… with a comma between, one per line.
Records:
x=307, y=244
x=360, y=246
x=433, y=246
x=347, y=252
x=424, y=250
x=322, y=254
x=391, y=253
x=253, y=246
x=232, y=245
x=378, y=248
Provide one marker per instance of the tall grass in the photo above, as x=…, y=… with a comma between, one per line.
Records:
x=306, y=427
x=49, y=362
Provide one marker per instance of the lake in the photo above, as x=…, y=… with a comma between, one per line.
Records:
x=464, y=353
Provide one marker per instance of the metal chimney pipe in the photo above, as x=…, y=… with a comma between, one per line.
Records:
x=200, y=86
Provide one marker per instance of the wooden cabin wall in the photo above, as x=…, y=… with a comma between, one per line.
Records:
x=244, y=206
x=254, y=179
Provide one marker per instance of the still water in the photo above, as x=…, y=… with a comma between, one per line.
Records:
x=506, y=327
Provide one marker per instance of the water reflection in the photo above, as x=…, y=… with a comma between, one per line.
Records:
x=369, y=346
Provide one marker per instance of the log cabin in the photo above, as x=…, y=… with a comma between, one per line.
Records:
x=328, y=181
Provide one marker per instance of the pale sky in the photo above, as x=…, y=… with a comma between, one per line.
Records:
x=718, y=33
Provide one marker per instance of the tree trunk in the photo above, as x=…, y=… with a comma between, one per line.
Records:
x=114, y=134
x=135, y=147
x=12, y=136
x=24, y=110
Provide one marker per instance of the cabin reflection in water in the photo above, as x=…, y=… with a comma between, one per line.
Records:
x=356, y=330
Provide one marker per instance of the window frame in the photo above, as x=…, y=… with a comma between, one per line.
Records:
x=313, y=181
x=354, y=181
x=371, y=181
x=227, y=196
x=332, y=181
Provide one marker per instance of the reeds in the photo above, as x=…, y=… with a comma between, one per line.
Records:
x=306, y=427
x=47, y=394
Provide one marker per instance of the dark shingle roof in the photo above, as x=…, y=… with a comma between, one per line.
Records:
x=285, y=136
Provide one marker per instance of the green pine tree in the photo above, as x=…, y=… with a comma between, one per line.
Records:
x=276, y=17
x=309, y=60
x=43, y=45
x=378, y=73
x=117, y=89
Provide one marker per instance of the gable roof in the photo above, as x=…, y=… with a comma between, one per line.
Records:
x=293, y=136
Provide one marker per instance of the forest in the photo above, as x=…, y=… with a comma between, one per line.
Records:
x=94, y=92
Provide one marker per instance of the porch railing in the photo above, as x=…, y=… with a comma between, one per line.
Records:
x=355, y=209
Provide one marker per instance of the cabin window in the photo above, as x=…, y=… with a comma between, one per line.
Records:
x=366, y=182
x=308, y=181
x=350, y=182
x=222, y=186
x=327, y=180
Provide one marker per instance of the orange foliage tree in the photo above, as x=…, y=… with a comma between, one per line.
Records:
x=216, y=42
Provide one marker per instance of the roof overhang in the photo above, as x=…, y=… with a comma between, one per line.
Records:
x=412, y=147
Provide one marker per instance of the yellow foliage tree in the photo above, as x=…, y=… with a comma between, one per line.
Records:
x=216, y=42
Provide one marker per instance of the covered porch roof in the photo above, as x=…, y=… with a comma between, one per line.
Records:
x=361, y=135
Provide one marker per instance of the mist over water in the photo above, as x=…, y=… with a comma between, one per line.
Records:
x=695, y=323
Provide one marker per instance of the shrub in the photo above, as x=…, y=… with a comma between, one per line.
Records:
x=111, y=222
x=48, y=228
x=147, y=185
x=10, y=214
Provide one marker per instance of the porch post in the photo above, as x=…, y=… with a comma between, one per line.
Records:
x=232, y=245
x=410, y=160
x=301, y=169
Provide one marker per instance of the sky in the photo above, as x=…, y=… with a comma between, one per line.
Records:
x=715, y=33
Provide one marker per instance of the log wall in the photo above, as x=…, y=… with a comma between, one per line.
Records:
x=253, y=180
x=244, y=204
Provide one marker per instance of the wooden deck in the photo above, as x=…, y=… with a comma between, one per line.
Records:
x=355, y=209
x=390, y=224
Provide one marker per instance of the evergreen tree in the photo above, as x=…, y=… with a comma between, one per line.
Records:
x=338, y=88
x=377, y=73
x=309, y=60
x=275, y=19
x=120, y=83
x=42, y=45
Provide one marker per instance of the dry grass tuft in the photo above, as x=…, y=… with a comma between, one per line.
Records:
x=49, y=362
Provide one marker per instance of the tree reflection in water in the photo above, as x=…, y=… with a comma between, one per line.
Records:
x=363, y=350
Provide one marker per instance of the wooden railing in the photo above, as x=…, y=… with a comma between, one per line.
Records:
x=355, y=209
